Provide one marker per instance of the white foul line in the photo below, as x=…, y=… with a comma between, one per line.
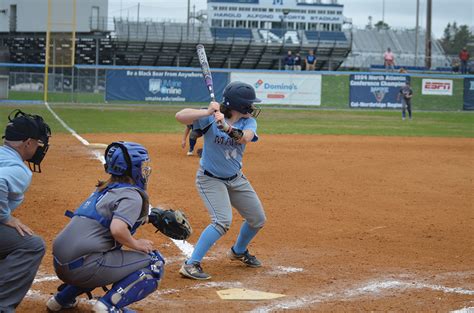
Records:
x=72, y=131
x=372, y=287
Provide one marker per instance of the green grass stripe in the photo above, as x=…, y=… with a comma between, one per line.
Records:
x=160, y=119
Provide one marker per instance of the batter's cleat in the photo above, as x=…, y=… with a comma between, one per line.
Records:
x=103, y=307
x=193, y=271
x=246, y=258
x=190, y=153
x=54, y=306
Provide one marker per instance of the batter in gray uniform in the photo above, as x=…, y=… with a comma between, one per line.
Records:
x=88, y=251
x=227, y=128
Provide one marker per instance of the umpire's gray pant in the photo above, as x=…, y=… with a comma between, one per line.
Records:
x=20, y=258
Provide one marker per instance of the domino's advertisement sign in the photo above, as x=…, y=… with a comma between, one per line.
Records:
x=375, y=90
x=468, y=94
x=166, y=86
x=290, y=89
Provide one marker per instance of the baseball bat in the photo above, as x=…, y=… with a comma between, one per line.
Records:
x=206, y=71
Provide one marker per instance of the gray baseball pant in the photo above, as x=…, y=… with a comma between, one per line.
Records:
x=101, y=269
x=20, y=258
x=219, y=196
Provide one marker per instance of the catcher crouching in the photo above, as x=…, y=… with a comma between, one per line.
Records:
x=88, y=251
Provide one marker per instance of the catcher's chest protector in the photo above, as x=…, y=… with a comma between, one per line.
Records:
x=89, y=207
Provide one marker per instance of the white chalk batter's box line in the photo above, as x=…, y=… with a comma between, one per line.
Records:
x=377, y=288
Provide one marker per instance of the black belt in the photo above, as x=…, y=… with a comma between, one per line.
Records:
x=221, y=178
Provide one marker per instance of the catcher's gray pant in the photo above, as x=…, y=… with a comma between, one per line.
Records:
x=101, y=269
x=20, y=258
x=220, y=195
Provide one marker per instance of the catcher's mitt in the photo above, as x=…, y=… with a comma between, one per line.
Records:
x=173, y=224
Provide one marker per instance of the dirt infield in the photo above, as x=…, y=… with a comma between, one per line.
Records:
x=354, y=223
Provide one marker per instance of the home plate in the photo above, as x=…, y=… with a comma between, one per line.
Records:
x=246, y=294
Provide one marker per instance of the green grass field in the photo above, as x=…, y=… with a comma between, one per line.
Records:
x=160, y=119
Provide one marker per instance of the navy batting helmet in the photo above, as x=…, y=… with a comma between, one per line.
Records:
x=128, y=158
x=241, y=97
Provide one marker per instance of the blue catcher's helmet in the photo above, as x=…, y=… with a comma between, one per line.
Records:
x=128, y=158
x=241, y=97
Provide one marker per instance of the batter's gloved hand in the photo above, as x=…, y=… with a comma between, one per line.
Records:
x=171, y=223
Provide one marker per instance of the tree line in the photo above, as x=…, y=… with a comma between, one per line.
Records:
x=455, y=38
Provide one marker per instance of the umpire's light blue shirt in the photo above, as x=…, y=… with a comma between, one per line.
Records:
x=15, y=178
x=222, y=155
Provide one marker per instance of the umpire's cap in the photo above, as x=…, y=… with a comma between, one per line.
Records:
x=22, y=126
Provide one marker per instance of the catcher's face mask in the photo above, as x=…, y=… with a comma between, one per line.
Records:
x=146, y=171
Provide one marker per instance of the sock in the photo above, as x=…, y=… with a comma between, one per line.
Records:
x=68, y=294
x=208, y=237
x=192, y=143
x=246, y=234
x=403, y=114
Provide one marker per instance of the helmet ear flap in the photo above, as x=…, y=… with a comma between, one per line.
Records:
x=125, y=154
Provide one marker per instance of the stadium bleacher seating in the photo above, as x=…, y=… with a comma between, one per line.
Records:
x=368, y=46
x=220, y=33
x=327, y=36
x=174, y=44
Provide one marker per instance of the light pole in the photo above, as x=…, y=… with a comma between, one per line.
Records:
x=285, y=23
x=417, y=29
x=187, y=20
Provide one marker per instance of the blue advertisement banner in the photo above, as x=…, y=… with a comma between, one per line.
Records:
x=375, y=90
x=468, y=94
x=164, y=86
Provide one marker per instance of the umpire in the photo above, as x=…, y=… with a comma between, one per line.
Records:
x=26, y=139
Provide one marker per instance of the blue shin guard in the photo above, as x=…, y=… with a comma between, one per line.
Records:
x=67, y=294
x=137, y=285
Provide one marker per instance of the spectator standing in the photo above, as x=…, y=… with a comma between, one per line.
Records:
x=310, y=61
x=464, y=58
x=289, y=61
x=389, y=60
x=298, y=62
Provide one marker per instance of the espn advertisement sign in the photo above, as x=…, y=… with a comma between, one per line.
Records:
x=292, y=89
x=375, y=90
x=438, y=87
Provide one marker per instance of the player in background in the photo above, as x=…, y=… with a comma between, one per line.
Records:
x=21, y=251
x=193, y=136
x=406, y=93
x=227, y=129
x=88, y=252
